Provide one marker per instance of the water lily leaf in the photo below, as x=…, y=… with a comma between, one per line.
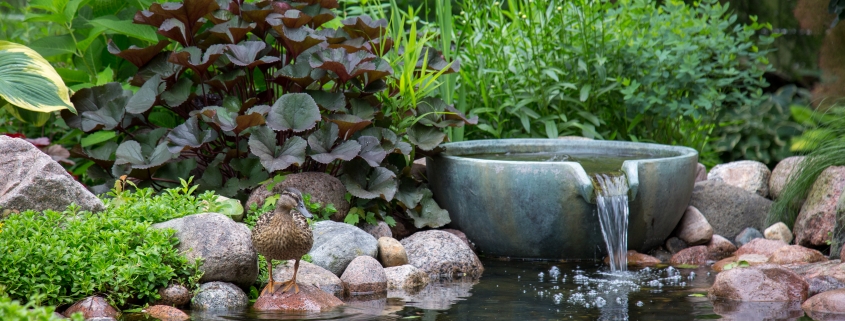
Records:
x=137, y=56
x=129, y=152
x=348, y=124
x=364, y=26
x=234, y=30
x=409, y=194
x=109, y=96
x=428, y=213
x=189, y=134
x=29, y=82
x=328, y=100
x=193, y=57
x=262, y=143
x=293, y=111
x=246, y=54
x=146, y=96
x=345, y=65
x=371, y=150
x=322, y=142
x=427, y=138
x=367, y=182
x=178, y=93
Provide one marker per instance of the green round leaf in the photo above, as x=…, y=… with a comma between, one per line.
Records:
x=297, y=112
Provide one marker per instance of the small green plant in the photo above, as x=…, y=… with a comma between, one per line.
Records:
x=122, y=257
x=320, y=212
x=14, y=311
x=737, y=264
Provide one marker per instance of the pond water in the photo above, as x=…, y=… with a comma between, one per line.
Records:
x=543, y=290
x=592, y=163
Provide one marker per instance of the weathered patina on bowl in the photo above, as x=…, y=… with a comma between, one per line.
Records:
x=547, y=210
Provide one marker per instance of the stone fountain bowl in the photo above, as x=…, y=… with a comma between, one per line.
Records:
x=534, y=209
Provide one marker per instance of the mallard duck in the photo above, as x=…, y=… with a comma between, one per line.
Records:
x=283, y=234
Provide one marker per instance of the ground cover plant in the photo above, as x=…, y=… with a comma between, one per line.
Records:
x=14, y=311
x=239, y=91
x=55, y=258
x=629, y=70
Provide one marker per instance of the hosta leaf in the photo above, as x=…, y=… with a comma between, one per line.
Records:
x=28, y=81
x=367, y=182
x=293, y=111
x=146, y=96
x=371, y=150
x=109, y=96
x=189, y=134
x=425, y=137
x=428, y=213
x=262, y=143
x=129, y=152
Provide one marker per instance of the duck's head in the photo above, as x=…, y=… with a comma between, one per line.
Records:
x=291, y=198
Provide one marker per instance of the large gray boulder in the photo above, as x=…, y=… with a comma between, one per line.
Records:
x=224, y=246
x=323, y=188
x=337, y=244
x=32, y=180
x=781, y=173
x=752, y=176
x=441, y=254
x=814, y=225
x=729, y=209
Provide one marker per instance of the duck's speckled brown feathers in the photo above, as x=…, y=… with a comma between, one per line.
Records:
x=283, y=234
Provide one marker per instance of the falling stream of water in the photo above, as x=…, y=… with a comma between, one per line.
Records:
x=612, y=201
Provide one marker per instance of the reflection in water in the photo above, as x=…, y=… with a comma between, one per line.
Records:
x=518, y=290
x=751, y=311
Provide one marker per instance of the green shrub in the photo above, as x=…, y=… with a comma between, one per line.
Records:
x=14, y=311
x=630, y=70
x=763, y=133
x=56, y=258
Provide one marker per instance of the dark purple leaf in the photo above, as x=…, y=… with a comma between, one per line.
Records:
x=371, y=150
x=157, y=66
x=364, y=26
x=193, y=57
x=425, y=137
x=110, y=96
x=189, y=135
x=328, y=100
x=345, y=65
x=323, y=149
x=227, y=81
x=297, y=40
x=234, y=30
x=138, y=56
x=250, y=54
x=178, y=93
x=129, y=152
x=146, y=97
x=176, y=30
x=348, y=124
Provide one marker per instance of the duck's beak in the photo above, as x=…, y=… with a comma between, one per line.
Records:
x=301, y=208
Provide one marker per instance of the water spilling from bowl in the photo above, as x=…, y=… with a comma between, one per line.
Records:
x=612, y=204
